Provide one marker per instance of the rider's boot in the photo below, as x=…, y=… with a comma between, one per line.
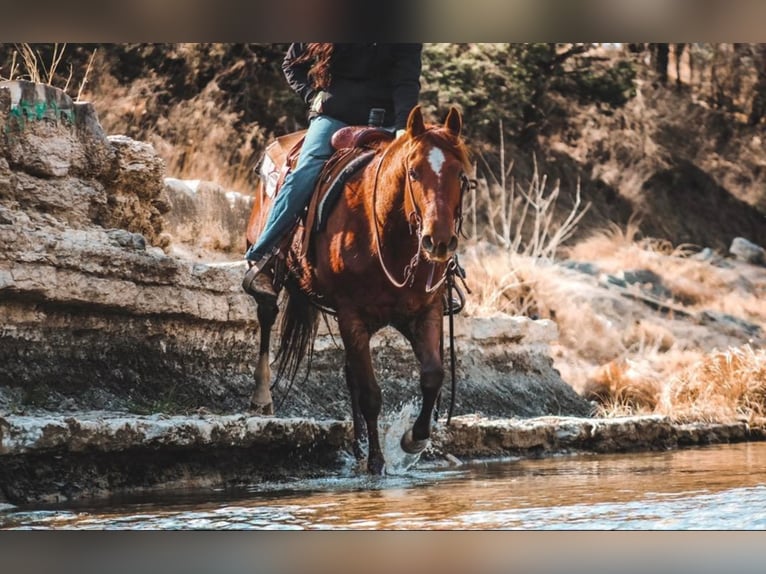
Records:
x=259, y=280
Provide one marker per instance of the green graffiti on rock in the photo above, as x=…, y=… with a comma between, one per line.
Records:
x=39, y=110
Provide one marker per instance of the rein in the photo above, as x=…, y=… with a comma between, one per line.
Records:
x=452, y=353
x=409, y=269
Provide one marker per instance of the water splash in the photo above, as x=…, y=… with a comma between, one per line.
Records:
x=395, y=425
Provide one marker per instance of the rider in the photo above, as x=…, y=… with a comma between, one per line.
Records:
x=340, y=83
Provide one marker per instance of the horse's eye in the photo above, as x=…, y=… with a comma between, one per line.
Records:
x=413, y=174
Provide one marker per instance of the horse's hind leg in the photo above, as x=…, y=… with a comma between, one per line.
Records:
x=260, y=401
x=363, y=386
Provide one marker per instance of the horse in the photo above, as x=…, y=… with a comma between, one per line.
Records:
x=382, y=258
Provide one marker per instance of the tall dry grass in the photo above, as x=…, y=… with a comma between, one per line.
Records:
x=619, y=353
x=723, y=386
x=27, y=63
x=194, y=137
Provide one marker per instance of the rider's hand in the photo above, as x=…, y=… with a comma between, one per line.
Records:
x=400, y=133
x=316, y=103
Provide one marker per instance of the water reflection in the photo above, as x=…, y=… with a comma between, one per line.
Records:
x=720, y=487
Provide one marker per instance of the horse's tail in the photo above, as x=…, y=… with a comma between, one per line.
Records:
x=299, y=327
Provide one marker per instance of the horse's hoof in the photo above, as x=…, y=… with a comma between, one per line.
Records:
x=266, y=410
x=375, y=466
x=412, y=446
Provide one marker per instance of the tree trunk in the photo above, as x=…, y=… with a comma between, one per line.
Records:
x=660, y=58
x=758, y=106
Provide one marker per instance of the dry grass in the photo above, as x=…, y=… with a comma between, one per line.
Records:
x=28, y=64
x=35, y=66
x=522, y=285
x=619, y=353
x=693, y=284
x=722, y=386
x=602, y=245
x=750, y=306
x=624, y=387
x=502, y=281
x=194, y=138
x=635, y=384
x=523, y=218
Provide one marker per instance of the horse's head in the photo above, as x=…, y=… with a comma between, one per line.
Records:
x=435, y=166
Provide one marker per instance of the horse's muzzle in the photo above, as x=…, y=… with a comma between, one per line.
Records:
x=441, y=250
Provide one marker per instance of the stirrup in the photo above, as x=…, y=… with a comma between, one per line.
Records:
x=259, y=280
x=456, y=303
x=264, y=261
x=258, y=284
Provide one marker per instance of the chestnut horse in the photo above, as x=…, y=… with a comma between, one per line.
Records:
x=381, y=259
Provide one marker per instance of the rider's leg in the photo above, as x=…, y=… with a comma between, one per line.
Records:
x=298, y=186
x=290, y=202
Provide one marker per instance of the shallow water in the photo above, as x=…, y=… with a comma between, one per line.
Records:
x=717, y=487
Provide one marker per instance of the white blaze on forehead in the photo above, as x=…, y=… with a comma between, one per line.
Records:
x=436, y=160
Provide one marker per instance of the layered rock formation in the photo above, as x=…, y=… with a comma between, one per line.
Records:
x=94, y=313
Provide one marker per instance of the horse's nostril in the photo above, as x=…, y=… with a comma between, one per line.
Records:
x=452, y=246
x=428, y=243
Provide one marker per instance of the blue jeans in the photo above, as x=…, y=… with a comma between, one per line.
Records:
x=296, y=190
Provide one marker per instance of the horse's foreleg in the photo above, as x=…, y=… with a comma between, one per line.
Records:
x=260, y=401
x=425, y=334
x=356, y=413
x=360, y=376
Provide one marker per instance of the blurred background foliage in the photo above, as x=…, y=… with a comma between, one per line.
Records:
x=513, y=83
x=597, y=119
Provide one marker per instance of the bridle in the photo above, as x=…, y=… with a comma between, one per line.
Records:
x=414, y=222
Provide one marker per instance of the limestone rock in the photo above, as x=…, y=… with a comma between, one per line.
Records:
x=48, y=135
x=135, y=199
x=747, y=251
x=205, y=217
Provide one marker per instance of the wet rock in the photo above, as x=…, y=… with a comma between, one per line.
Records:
x=582, y=267
x=54, y=457
x=747, y=251
x=729, y=322
x=476, y=437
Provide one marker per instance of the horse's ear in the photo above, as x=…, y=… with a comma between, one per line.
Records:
x=415, y=124
x=454, y=121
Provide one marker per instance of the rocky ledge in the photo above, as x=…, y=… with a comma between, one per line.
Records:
x=97, y=454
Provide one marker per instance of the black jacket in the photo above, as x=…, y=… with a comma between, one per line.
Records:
x=362, y=76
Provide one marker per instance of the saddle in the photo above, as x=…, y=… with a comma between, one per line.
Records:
x=280, y=157
x=354, y=149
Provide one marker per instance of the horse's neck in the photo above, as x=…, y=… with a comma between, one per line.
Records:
x=390, y=208
x=389, y=192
